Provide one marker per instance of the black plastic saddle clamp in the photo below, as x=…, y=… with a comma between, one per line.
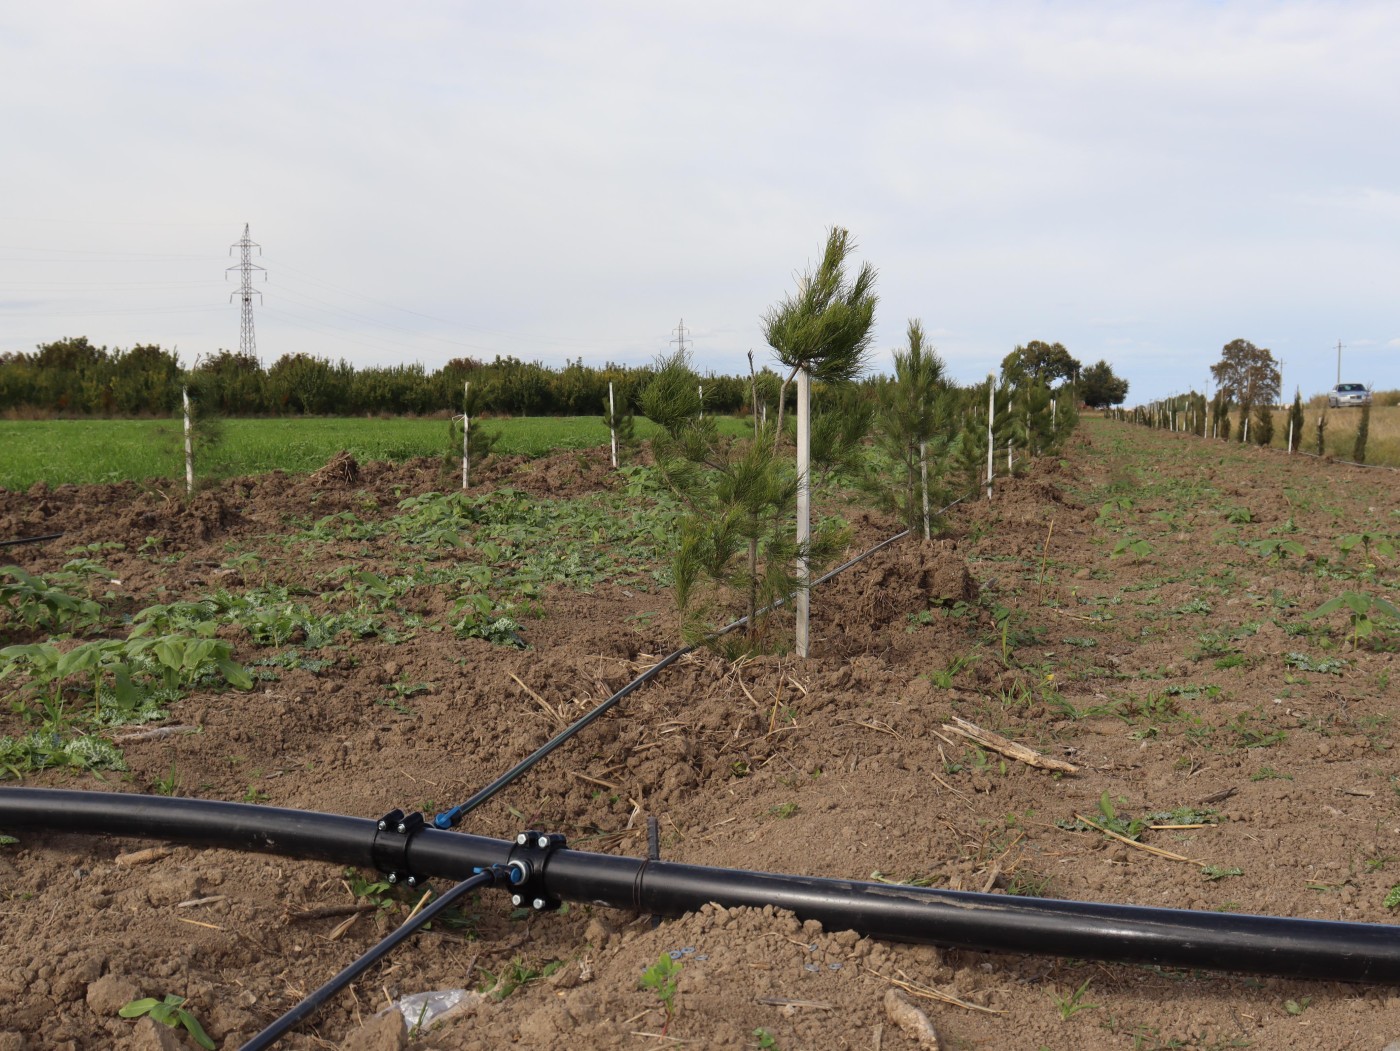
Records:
x=527, y=864
x=389, y=851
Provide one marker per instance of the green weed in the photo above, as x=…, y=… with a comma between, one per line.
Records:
x=51, y=749
x=1277, y=550
x=1324, y=665
x=661, y=978
x=1212, y=873
x=38, y=602
x=500, y=984
x=169, y=1012
x=1363, y=611
x=1071, y=1005
x=1129, y=546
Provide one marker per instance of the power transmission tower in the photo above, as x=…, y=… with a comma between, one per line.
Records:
x=247, y=344
x=680, y=336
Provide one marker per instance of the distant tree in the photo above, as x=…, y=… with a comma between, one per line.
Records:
x=1261, y=431
x=1046, y=362
x=69, y=355
x=523, y=387
x=577, y=389
x=309, y=385
x=395, y=389
x=908, y=421
x=1295, y=422
x=72, y=376
x=1247, y=375
x=228, y=383
x=1219, y=416
x=1031, y=413
x=621, y=422
x=1363, y=431
x=1100, y=388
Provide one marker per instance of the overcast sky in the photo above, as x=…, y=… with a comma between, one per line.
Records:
x=1141, y=182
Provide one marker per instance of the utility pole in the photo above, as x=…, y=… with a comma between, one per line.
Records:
x=680, y=339
x=1339, y=362
x=246, y=343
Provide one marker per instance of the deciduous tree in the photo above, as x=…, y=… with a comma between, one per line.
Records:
x=1037, y=360
x=1247, y=375
x=1099, y=387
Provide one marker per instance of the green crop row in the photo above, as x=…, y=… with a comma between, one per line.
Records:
x=87, y=451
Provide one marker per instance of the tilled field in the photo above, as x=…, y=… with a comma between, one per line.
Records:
x=1139, y=609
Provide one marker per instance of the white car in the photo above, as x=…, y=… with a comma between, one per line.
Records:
x=1345, y=394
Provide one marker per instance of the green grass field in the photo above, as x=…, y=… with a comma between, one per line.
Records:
x=86, y=451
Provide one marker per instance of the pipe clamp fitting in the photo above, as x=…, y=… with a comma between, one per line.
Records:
x=528, y=860
x=392, y=835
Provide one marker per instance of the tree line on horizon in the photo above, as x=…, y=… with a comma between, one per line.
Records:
x=74, y=377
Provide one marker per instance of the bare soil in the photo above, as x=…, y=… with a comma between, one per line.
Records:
x=1164, y=674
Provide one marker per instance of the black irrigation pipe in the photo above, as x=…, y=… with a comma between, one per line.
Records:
x=519, y=870
x=30, y=540
x=1321, y=950
x=452, y=818
x=1372, y=466
x=312, y=1003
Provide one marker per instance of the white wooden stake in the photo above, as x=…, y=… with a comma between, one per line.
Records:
x=1290, y=435
x=923, y=472
x=189, y=443
x=804, y=507
x=991, y=444
x=612, y=416
x=466, y=429
x=702, y=401
x=1244, y=440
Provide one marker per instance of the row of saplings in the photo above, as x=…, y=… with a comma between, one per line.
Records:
x=1253, y=423
x=910, y=444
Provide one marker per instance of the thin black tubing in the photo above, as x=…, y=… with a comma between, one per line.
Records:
x=1321, y=950
x=452, y=818
x=312, y=1003
x=30, y=540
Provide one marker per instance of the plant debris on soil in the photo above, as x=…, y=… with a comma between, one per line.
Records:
x=1129, y=611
